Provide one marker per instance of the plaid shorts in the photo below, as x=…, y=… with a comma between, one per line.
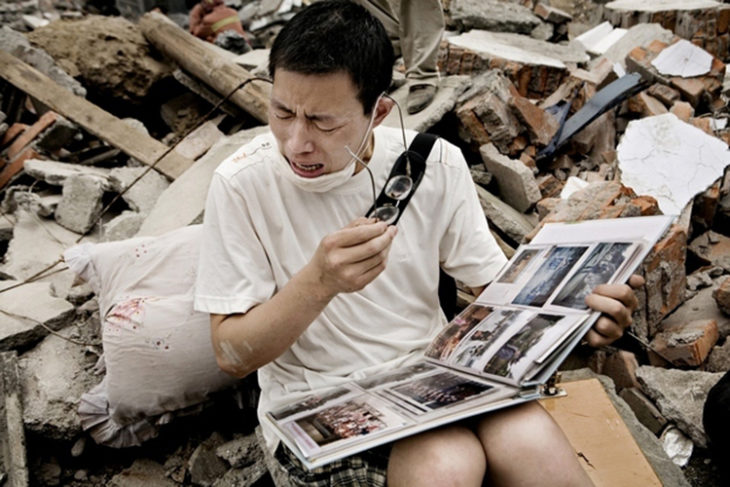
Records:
x=365, y=469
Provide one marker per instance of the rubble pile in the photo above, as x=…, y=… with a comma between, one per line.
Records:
x=566, y=110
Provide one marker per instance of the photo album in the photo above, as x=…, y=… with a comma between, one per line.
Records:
x=499, y=351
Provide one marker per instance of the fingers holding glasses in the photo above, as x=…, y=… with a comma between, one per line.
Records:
x=349, y=259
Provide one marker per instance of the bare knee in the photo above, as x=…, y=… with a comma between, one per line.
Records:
x=451, y=457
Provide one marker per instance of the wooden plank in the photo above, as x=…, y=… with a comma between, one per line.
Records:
x=203, y=61
x=605, y=447
x=93, y=119
x=12, y=434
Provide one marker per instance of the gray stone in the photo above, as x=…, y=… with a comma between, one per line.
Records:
x=58, y=135
x=278, y=473
x=669, y=474
x=680, y=396
x=141, y=194
x=142, y=473
x=719, y=359
x=543, y=32
x=123, y=226
x=637, y=36
x=204, y=466
x=450, y=89
x=56, y=173
x=491, y=15
x=240, y=452
x=55, y=374
x=16, y=44
x=242, y=477
x=701, y=306
x=81, y=204
x=41, y=205
x=517, y=184
x=645, y=410
x=184, y=200
x=28, y=311
x=505, y=218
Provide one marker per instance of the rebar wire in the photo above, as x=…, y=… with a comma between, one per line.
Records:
x=42, y=273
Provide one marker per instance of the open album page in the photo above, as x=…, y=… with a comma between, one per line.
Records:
x=380, y=405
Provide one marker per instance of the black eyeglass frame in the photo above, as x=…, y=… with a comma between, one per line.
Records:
x=411, y=164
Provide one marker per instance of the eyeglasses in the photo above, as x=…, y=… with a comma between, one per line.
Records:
x=399, y=186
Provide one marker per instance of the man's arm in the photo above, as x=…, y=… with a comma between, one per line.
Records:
x=345, y=261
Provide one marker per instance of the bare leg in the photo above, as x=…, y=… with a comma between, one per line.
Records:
x=526, y=447
x=448, y=457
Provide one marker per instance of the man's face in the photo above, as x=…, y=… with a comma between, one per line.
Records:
x=313, y=118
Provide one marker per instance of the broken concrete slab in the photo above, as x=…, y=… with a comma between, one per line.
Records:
x=449, y=90
x=123, y=226
x=636, y=36
x=56, y=173
x=670, y=160
x=600, y=38
x=28, y=311
x=490, y=15
x=516, y=181
x=13, y=458
x=680, y=396
x=55, y=374
x=140, y=186
x=36, y=245
x=80, y=207
x=503, y=217
x=683, y=59
x=722, y=295
x=184, y=200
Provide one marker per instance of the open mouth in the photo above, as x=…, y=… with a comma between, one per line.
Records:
x=307, y=170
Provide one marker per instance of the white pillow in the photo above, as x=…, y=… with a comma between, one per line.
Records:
x=157, y=349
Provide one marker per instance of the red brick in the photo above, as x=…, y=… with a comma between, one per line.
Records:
x=12, y=132
x=621, y=367
x=723, y=19
x=646, y=105
x=722, y=295
x=664, y=271
x=687, y=344
x=540, y=125
x=16, y=165
x=702, y=124
x=46, y=120
x=683, y=110
x=648, y=205
x=691, y=88
x=664, y=93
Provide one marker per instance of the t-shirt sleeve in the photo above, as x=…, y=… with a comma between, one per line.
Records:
x=233, y=271
x=468, y=251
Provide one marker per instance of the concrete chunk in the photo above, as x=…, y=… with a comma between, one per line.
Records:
x=670, y=160
x=143, y=193
x=55, y=374
x=81, y=203
x=449, y=90
x=56, y=173
x=491, y=15
x=516, y=182
x=505, y=218
x=13, y=458
x=27, y=311
x=680, y=396
x=687, y=344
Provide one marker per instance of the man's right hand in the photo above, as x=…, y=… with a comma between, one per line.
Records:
x=349, y=259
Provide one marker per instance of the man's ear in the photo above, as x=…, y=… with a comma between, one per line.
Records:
x=382, y=109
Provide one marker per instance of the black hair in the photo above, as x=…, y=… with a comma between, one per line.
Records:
x=332, y=36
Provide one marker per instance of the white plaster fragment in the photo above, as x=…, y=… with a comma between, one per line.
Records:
x=671, y=160
x=683, y=59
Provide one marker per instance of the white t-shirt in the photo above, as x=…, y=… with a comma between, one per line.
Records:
x=260, y=229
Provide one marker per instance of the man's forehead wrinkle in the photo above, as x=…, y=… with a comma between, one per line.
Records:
x=324, y=117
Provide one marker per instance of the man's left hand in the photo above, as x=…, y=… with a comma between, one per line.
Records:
x=615, y=302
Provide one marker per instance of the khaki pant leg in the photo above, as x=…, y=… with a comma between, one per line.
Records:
x=421, y=29
x=383, y=11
